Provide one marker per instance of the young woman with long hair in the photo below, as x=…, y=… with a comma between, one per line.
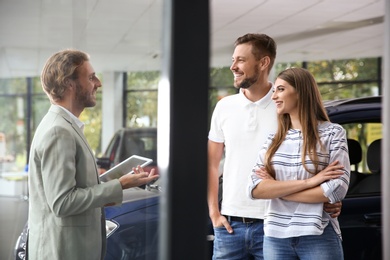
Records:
x=304, y=164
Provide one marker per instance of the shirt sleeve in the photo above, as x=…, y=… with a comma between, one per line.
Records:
x=336, y=189
x=254, y=179
x=216, y=134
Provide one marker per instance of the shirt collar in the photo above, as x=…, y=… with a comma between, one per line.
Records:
x=263, y=102
x=75, y=119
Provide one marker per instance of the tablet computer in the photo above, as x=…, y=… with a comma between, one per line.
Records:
x=125, y=167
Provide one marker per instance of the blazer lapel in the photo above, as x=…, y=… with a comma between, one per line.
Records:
x=73, y=124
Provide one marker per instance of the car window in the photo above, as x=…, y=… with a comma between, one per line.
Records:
x=143, y=144
x=364, y=151
x=112, y=147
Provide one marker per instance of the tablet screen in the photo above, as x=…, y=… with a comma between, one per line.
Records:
x=125, y=167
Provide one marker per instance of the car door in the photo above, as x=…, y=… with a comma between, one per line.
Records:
x=360, y=218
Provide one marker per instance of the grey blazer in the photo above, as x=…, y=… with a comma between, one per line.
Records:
x=66, y=216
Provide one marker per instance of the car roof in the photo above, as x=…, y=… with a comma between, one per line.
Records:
x=355, y=109
x=353, y=101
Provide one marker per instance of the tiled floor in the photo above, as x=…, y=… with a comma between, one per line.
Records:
x=13, y=216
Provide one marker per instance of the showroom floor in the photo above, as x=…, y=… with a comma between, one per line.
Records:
x=13, y=216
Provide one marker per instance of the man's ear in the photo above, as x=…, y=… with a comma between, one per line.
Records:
x=70, y=83
x=264, y=63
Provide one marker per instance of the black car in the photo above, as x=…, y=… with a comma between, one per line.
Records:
x=360, y=218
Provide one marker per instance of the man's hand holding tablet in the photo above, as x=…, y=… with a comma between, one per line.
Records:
x=130, y=172
x=138, y=178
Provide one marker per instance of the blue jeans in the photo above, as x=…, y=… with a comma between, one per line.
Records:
x=323, y=247
x=245, y=243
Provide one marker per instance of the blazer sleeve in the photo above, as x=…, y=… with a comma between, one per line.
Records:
x=69, y=174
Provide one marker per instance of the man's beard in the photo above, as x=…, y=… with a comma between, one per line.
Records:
x=84, y=98
x=247, y=82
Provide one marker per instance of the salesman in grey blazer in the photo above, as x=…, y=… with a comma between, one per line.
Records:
x=66, y=216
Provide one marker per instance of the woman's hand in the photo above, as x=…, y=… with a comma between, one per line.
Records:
x=332, y=171
x=263, y=174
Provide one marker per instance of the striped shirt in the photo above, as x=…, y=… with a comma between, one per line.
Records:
x=293, y=219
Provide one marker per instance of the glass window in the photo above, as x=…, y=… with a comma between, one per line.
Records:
x=365, y=173
x=141, y=99
x=13, y=123
x=339, y=79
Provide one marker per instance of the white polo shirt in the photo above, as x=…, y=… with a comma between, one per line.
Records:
x=243, y=126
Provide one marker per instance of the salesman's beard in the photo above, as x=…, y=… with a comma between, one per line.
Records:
x=85, y=97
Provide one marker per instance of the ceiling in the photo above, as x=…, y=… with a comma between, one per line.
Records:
x=125, y=35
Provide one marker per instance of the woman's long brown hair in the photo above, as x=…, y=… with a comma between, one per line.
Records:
x=311, y=112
